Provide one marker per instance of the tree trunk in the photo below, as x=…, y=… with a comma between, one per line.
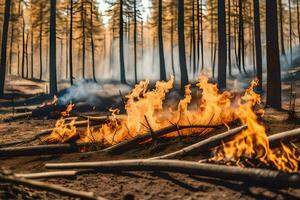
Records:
x=52, y=66
x=181, y=46
x=135, y=40
x=92, y=44
x=258, y=43
x=193, y=38
x=290, y=32
x=229, y=38
x=273, y=62
x=222, y=44
x=41, y=43
x=71, y=44
x=4, y=46
x=121, y=44
x=26, y=55
x=83, y=38
x=11, y=46
x=281, y=30
x=172, y=45
x=32, y=52
x=162, y=66
x=198, y=33
x=23, y=46
x=298, y=21
x=201, y=35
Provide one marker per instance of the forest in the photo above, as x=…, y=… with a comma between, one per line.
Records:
x=149, y=99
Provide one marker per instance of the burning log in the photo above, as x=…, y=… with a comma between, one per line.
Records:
x=204, y=144
x=38, y=185
x=125, y=145
x=54, y=174
x=252, y=175
x=101, y=119
x=284, y=137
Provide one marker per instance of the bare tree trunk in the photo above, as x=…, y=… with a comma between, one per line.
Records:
x=273, y=63
x=193, y=38
x=162, y=66
x=172, y=46
x=290, y=31
x=222, y=44
x=52, y=66
x=135, y=39
x=32, y=52
x=121, y=41
x=83, y=38
x=201, y=35
x=181, y=46
x=11, y=46
x=71, y=44
x=298, y=21
x=281, y=30
x=26, y=55
x=258, y=43
x=41, y=43
x=4, y=45
x=229, y=38
x=92, y=44
x=23, y=46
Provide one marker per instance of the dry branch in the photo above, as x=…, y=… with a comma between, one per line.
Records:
x=125, y=145
x=54, y=174
x=17, y=116
x=206, y=144
x=38, y=150
x=101, y=118
x=49, y=187
x=253, y=175
x=284, y=137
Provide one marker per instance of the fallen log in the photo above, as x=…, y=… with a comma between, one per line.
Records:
x=38, y=185
x=54, y=174
x=248, y=175
x=125, y=145
x=203, y=145
x=284, y=137
x=17, y=116
x=38, y=150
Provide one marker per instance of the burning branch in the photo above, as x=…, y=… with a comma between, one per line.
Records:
x=123, y=146
x=253, y=175
x=204, y=144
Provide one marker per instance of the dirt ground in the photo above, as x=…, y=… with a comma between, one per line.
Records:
x=129, y=185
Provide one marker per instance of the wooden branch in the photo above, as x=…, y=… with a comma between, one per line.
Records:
x=38, y=185
x=125, y=145
x=17, y=116
x=101, y=119
x=252, y=175
x=284, y=137
x=54, y=174
x=38, y=150
x=203, y=145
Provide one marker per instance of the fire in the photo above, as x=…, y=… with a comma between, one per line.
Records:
x=63, y=132
x=253, y=141
x=69, y=108
x=145, y=111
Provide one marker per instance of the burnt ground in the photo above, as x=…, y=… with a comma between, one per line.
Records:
x=138, y=185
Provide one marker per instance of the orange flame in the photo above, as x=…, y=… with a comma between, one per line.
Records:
x=253, y=141
x=145, y=111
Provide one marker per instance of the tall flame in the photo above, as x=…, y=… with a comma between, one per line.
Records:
x=253, y=141
x=145, y=111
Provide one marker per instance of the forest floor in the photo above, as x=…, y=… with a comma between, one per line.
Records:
x=138, y=185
